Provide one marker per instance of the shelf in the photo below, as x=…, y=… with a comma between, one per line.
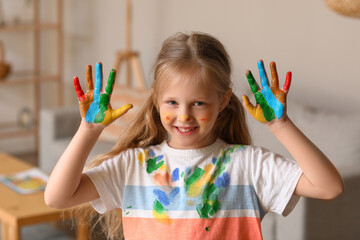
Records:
x=11, y=129
x=16, y=79
x=34, y=78
x=27, y=27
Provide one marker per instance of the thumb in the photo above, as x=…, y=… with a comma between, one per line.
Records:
x=121, y=111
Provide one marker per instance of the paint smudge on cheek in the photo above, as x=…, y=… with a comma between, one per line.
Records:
x=184, y=118
x=167, y=116
x=204, y=119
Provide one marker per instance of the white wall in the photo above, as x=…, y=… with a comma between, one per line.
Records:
x=320, y=47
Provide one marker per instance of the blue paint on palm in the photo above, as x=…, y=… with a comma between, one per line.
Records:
x=94, y=107
x=275, y=104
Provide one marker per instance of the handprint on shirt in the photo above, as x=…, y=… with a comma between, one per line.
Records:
x=270, y=101
x=95, y=106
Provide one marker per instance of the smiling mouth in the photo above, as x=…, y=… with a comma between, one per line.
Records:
x=186, y=130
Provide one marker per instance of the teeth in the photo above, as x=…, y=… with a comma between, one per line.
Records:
x=185, y=130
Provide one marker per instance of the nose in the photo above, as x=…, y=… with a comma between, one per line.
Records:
x=184, y=118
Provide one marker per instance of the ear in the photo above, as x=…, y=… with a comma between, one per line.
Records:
x=225, y=100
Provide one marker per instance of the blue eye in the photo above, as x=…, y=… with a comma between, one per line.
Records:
x=199, y=103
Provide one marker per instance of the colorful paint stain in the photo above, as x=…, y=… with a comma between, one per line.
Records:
x=201, y=184
x=154, y=163
x=167, y=116
x=94, y=105
x=204, y=119
x=126, y=211
x=184, y=118
x=219, y=181
x=270, y=100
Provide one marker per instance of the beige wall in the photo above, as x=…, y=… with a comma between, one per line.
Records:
x=320, y=47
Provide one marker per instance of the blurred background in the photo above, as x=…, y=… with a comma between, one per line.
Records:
x=319, y=45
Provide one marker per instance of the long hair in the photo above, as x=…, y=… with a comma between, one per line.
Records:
x=213, y=66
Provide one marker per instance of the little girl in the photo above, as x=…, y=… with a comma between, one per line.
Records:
x=185, y=168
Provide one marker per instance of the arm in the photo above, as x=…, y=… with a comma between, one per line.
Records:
x=320, y=179
x=67, y=185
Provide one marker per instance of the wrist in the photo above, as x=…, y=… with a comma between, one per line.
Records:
x=278, y=124
x=91, y=128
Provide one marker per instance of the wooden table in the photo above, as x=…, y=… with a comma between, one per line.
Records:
x=18, y=210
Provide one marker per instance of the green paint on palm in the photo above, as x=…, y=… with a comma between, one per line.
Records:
x=103, y=106
x=152, y=165
x=268, y=112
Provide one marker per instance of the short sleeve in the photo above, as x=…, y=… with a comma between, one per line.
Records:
x=275, y=178
x=108, y=179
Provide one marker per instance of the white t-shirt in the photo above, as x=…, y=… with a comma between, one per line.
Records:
x=218, y=192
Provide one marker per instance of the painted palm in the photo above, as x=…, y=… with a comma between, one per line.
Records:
x=95, y=106
x=270, y=100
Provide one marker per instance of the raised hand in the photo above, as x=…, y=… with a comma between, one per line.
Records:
x=270, y=101
x=95, y=106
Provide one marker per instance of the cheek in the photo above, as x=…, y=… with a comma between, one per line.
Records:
x=208, y=117
x=204, y=119
x=166, y=117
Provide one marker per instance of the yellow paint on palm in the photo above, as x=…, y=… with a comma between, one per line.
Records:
x=256, y=112
x=112, y=115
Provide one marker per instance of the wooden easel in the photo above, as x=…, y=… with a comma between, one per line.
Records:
x=129, y=57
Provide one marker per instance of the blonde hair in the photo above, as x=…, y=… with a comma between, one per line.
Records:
x=212, y=65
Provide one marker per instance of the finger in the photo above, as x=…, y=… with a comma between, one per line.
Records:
x=110, y=84
x=274, y=75
x=99, y=77
x=253, y=84
x=115, y=114
x=263, y=76
x=287, y=81
x=248, y=105
x=79, y=92
x=89, y=78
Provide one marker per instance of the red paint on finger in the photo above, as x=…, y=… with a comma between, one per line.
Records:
x=287, y=81
x=79, y=92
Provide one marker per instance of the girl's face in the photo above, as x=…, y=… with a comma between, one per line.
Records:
x=188, y=113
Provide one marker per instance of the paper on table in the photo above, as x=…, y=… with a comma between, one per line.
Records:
x=25, y=182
